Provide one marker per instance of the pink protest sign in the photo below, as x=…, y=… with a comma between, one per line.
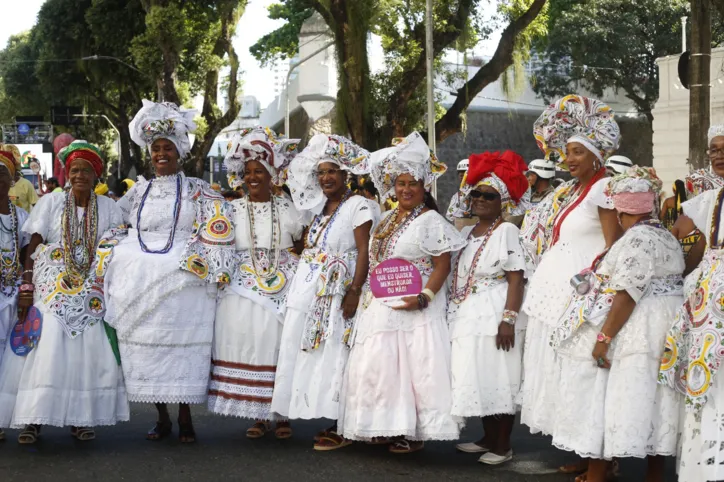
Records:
x=394, y=278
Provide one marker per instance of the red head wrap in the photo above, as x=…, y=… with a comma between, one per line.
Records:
x=508, y=166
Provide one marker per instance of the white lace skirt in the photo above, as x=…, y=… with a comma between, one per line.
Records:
x=8, y=318
x=485, y=380
x=397, y=383
x=167, y=358
x=701, y=456
x=308, y=383
x=541, y=371
x=620, y=412
x=63, y=382
x=244, y=359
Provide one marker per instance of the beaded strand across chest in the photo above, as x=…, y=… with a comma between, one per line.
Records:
x=389, y=232
x=176, y=214
x=269, y=274
x=318, y=227
x=457, y=294
x=79, y=238
x=10, y=269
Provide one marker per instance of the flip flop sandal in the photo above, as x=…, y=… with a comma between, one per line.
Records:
x=159, y=431
x=29, y=435
x=319, y=435
x=331, y=441
x=283, y=431
x=186, y=433
x=258, y=430
x=406, y=447
x=83, y=434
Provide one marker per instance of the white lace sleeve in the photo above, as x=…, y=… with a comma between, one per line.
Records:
x=363, y=212
x=451, y=207
x=126, y=202
x=633, y=261
x=510, y=251
x=699, y=208
x=598, y=196
x=42, y=216
x=436, y=236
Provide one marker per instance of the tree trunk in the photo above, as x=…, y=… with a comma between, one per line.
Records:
x=451, y=122
x=699, y=78
x=351, y=29
x=231, y=12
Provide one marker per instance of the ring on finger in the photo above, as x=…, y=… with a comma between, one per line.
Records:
x=601, y=362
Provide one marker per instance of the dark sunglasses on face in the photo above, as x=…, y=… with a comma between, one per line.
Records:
x=487, y=196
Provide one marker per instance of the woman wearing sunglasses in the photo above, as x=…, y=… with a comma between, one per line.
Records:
x=484, y=301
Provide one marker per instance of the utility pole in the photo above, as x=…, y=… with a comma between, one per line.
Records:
x=699, y=82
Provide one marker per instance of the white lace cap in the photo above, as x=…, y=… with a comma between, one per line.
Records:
x=714, y=131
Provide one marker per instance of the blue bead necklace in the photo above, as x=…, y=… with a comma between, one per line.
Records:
x=176, y=214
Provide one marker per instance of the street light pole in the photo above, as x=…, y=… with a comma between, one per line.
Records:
x=289, y=75
x=430, y=55
x=120, y=149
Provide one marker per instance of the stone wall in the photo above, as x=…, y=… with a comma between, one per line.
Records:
x=489, y=131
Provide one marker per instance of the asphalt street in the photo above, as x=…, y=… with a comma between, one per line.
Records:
x=222, y=452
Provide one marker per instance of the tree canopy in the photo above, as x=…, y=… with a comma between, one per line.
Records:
x=375, y=108
x=107, y=55
x=612, y=44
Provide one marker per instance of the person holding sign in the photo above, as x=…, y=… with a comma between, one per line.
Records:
x=266, y=228
x=12, y=251
x=72, y=377
x=326, y=291
x=485, y=297
x=397, y=385
x=561, y=236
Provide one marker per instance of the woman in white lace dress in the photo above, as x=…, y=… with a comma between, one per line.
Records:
x=485, y=297
x=72, y=376
x=12, y=252
x=693, y=355
x=160, y=283
x=326, y=290
x=250, y=310
x=611, y=339
x=562, y=235
x=397, y=383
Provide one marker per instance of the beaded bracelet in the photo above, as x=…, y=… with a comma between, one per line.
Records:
x=510, y=317
x=422, y=301
x=27, y=288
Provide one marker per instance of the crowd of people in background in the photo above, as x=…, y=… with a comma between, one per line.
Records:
x=589, y=306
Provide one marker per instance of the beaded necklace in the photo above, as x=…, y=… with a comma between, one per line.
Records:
x=176, y=214
x=270, y=274
x=388, y=232
x=10, y=271
x=715, y=220
x=325, y=227
x=458, y=295
x=79, y=238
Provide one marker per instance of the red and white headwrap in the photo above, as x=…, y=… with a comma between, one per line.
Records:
x=635, y=191
x=81, y=150
x=503, y=172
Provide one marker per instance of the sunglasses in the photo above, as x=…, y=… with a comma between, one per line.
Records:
x=487, y=196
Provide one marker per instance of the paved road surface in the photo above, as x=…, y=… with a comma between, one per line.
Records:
x=223, y=453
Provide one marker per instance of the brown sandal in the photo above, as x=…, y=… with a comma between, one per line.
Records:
x=283, y=431
x=405, y=446
x=258, y=430
x=29, y=435
x=331, y=441
x=84, y=434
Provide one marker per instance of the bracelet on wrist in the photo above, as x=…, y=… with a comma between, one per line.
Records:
x=603, y=338
x=510, y=317
x=429, y=293
x=26, y=288
x=422, y=301
x=355, y=289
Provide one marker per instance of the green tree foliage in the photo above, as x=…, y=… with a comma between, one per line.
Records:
x=612, y=44
x=144, y=48
x=373, y=109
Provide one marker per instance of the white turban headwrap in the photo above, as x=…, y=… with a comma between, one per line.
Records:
x=163, y=120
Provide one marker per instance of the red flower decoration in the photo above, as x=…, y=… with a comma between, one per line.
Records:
x=508, y=166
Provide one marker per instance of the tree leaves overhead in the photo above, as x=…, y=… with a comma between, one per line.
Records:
x=184, y=46
x=609, y=44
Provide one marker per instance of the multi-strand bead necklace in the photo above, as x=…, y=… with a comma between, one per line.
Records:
x=176, y=213
x=10, y=269
x=79, y=238
x=270, y=274
x=389, y=231
x=318, y=227
x=457, y=294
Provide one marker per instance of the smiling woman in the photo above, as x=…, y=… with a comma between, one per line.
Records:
x=73, y=361
x=164, y=315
